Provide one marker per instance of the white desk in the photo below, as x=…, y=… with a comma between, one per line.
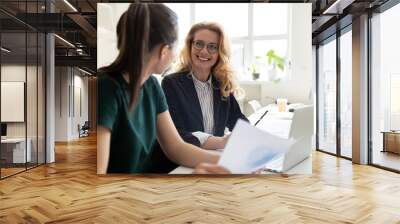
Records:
x=17, y=146
x=276, y=123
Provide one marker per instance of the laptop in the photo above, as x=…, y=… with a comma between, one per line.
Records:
x=301, y=129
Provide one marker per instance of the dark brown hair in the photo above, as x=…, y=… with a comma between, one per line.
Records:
x=141, y=28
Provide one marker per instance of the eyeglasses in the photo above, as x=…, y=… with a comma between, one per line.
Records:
x=212, y=48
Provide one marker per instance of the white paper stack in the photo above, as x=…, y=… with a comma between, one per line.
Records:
x=250, y=149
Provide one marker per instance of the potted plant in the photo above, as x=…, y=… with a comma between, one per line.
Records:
x=255, y=69
x=275, y=61
x=255, y=72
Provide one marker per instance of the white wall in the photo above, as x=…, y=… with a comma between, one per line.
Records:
x=61, y=103
x=108, y=15
x=67, y=115
x=79, y=117
x=314, y=93
x=300, y=85
x=13, y=72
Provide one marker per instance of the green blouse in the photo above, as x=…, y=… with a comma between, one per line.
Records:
x=133, y=134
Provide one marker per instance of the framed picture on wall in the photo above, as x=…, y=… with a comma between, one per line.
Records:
x=12, y=101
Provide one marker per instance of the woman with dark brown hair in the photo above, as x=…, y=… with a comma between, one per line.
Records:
x=132, y=109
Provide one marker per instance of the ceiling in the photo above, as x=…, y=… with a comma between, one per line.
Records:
x=332, y=15
x=76, y=24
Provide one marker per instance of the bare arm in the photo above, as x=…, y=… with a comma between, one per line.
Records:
x=103, y=149
x=176, y=149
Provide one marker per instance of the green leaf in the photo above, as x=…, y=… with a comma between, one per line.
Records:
x=275, y=59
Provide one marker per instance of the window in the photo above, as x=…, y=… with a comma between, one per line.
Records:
x=237, y=54
x=270, y=19
x=394, y=101
x=346, y=94
x=261, y=47
x=183, y=12
x=252, y=30
x=234, y=20
x=245, y=26
x=385, y=87
x=327, y=97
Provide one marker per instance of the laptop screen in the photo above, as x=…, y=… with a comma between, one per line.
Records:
x=302, y=122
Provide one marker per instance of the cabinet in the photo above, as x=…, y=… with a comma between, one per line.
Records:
x=13, y=150
x=391, y=141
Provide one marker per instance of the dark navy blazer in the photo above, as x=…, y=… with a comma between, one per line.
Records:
x=185, y=109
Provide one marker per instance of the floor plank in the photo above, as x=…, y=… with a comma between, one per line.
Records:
x=69, y=191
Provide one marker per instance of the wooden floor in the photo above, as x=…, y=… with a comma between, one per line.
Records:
x=69, y=191
x=10, y=171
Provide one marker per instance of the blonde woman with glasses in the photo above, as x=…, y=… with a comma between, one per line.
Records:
x=200, y=95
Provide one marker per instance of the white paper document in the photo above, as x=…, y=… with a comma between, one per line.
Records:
x=250, y=149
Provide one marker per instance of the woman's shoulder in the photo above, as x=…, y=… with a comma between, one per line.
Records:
x=152, y=81
x=107, y=81
x=103, y=74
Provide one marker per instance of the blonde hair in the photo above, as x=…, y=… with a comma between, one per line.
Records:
x=222, y=69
